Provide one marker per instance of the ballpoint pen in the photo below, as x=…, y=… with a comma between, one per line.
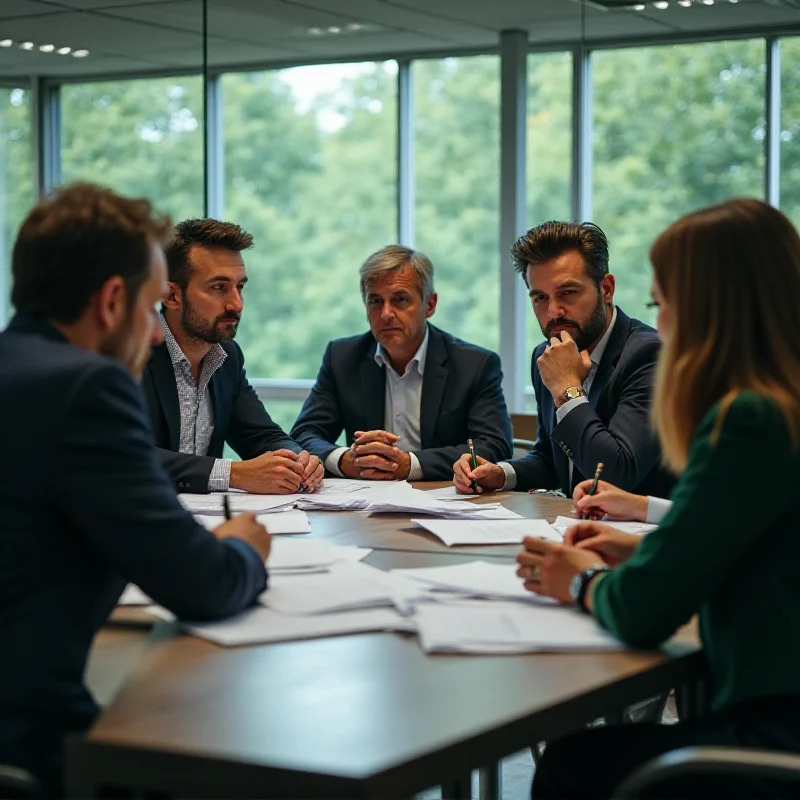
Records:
x=226, y=506
x=473, y=464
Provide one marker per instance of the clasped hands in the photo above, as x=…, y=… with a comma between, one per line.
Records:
x=278, y=472
x=375, y=456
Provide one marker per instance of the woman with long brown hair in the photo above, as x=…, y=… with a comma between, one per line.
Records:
x=726, y=280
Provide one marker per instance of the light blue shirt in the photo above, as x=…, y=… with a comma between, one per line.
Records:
x=402, y=407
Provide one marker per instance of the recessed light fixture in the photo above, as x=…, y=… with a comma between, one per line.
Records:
x=80, y=54
x=44, y=48
x=334, y=29
x=639, y=7
x=64, y=51
x=26, y=46
x=315, y=31
x=354, y=26
x=685, y=3
x=47, y=48
x=708, y=2
x=661, y=4
x=6, y=42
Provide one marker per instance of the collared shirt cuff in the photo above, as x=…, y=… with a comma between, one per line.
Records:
x=511, y=476
x=220, y=478
x=333, y=459
x=562, y=411
x=415, y=473
x=657, y=509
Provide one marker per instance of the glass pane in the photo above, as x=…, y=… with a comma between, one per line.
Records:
x=549, y=144
x=140, y=137
x=16, y=179
x=790, y=128
x=675, y=128
x=310, y=171
x=457, y=161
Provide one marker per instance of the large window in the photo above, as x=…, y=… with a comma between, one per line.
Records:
x=457, y=162
x=675, y=128
x=16, y=178
x=790, y=128
x=549, y=149
x=310, y=170
x=140, y=137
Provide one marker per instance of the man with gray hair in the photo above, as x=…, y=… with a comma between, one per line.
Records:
x=407, y=395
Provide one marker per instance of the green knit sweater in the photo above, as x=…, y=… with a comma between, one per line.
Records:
x=729, y=550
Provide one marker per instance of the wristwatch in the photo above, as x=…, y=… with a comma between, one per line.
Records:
x=580, y=583
x=573, y=393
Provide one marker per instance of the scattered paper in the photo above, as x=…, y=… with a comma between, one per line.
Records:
x=261, y=625
x=480, y=627
x=350, y=552
x=238, y=502
x=133, y=596
x=277, y=524
x=450, y=493
x=563, y=523
x=473, y=532
x=286, y=554
x=350, y=486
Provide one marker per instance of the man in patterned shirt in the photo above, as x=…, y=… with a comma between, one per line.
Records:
x=196, y=387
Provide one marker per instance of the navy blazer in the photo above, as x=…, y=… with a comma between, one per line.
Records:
x=462, y=397
x=239, y=419
x=86, y=508
x=612, y=428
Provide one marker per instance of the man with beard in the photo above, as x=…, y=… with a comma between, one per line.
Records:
x=89, y=270
x=195, y=383
x=592, y=377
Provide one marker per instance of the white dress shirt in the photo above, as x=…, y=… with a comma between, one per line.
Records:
x=596, y=356
x=657, y=509
x=402, y=407
x=196, y=410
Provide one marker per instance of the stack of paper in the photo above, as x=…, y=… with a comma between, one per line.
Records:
x=480, y=627
x=349, y=486
x=472, y=532
x=238, y=501
x=304, y=555
x=478, y=579
x=563, y=523
x=414, y=501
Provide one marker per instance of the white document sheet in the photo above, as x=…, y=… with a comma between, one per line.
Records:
x=133, y=596
x=288, y=554
x=238, y=501
x=261, y=625
x=468, y=531
x=562, y=523
x=415, y=501
x=481, y=627
x=277, y=524
x=450, y=493
x=353, y=501
x=476, y=578
x=350, y=552
x=350, y=486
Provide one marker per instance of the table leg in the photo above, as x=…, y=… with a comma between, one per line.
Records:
x=490, y=782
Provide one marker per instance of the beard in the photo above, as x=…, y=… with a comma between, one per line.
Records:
x=221, y=329
x=586, y=334
x=122, y=346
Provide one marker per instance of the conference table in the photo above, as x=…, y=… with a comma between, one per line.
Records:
x=367, y=715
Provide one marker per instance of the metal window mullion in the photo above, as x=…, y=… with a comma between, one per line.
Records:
x=513, y=211
x=46, y=135
x=405, y=153
x=772, y=134
x=582, y=154
x=214, y=153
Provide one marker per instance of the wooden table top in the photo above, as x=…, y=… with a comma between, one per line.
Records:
x=365, y=715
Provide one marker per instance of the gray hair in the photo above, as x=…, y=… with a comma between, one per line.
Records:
x=394, y=257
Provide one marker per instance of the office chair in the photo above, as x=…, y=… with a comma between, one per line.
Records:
x=18, y=783
x=707, y=762
x=522, y=446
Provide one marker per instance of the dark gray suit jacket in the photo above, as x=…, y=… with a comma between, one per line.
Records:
x=87, y=507
x=612, y=428
x=462, y=398
x=239, y=419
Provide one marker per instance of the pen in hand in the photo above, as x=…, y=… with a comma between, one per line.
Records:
x=473, y=464
x=593, y=488
x=226, y=506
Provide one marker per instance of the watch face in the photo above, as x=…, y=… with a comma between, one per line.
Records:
x=575, y=587
x=573, y=392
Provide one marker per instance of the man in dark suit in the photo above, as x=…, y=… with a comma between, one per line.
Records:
x=592, y=378
x=88, y=271
x=407, y=395
x=195, y=383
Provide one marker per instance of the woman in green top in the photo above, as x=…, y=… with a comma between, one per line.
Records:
x=727, y=410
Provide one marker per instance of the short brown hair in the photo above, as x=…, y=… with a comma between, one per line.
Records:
x=731, y=277
x=208, y=232
x=72, y=242
x=552, y=239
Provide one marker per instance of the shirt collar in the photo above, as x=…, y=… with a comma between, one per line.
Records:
x=176, y=354
x=420, y=357
x=597, y=354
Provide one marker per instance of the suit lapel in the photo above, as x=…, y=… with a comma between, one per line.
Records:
x=434, y=382
x=614, y=348
x=372, y=388
x=221, y=412
x=167, y=391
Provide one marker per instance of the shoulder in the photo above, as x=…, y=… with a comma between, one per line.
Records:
x=350, y=347
x=464, y=352
x=642, y=338
x=750, y=413
x=104, y=384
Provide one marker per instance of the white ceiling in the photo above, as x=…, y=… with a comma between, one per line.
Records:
x=158, y=35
